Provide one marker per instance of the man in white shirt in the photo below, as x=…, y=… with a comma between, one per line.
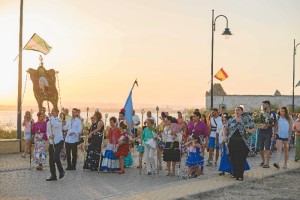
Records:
x=136, y=122
x=54, y=133
x=216, y=131
x=74, y=128
x=149, y=116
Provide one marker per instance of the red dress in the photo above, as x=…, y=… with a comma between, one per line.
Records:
x=124, y=148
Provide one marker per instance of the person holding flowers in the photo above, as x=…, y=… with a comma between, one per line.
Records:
x=123, y=146
x=149, y=138
x=266, y=121
x=171, y=151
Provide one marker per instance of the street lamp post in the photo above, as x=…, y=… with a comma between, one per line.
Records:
x=143, y=111
x=294, y=55
x=227, y=34
x=157, y=109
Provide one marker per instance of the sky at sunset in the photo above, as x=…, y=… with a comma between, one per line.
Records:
x=101, y=46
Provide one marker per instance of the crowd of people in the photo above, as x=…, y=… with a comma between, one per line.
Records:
x=108, y=148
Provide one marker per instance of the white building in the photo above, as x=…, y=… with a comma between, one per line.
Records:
x=250, y=102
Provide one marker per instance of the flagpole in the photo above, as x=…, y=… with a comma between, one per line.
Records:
x=20, y=74
x=20, y=51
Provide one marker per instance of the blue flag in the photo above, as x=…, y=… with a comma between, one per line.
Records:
x=128, y=110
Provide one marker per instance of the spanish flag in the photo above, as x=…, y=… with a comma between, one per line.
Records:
x=221, y=75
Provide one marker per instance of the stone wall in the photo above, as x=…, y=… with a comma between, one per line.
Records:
x=250, y=102
x=10, y=146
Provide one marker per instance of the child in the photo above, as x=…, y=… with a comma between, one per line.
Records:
x=110, y=162
x=194, y=159
x=122, y=146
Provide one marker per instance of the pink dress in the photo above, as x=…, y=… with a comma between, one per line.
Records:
x=39, y=132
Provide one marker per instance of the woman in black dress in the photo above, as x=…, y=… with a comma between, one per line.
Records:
x=239, y=129
x=94, y=143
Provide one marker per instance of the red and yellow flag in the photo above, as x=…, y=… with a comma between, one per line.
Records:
x=221, y=75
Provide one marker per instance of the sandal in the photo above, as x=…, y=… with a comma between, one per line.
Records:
x=262, y=164
x=266, y=166
x=168, y=174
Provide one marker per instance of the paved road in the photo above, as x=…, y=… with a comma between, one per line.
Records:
x=18, y=182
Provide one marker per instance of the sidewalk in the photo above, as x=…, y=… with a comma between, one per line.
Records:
x=18, y=182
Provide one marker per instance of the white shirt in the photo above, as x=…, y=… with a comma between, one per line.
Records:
x=54, y=126
x=154, y=120
x=167, y=137
x=73, y=126
x=217, y=124
x=135, y=120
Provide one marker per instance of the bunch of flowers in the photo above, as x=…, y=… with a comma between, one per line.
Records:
x=262, y=118
x=123, y=139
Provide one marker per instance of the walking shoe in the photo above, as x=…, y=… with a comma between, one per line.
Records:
x=148, y=173
x=61, y=175
x=284, y=166
x=222, y=173
x=52, y=178
x=276, y=165
x=69, y=168
x=209, y=163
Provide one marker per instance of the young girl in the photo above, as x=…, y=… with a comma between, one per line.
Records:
x=122, y=146
x=194, y=159
x=28, y=124
x=225, y=165
x=110, y=161
x=141, y=150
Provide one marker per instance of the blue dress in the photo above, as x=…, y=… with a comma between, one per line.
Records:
x=225, y=164
x=128, y=161
x=194, y=159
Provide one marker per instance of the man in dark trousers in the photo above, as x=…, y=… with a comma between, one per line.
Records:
x=54, y=133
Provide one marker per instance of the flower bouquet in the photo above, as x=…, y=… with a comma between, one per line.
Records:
x=123, y=140
x=261, y=119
